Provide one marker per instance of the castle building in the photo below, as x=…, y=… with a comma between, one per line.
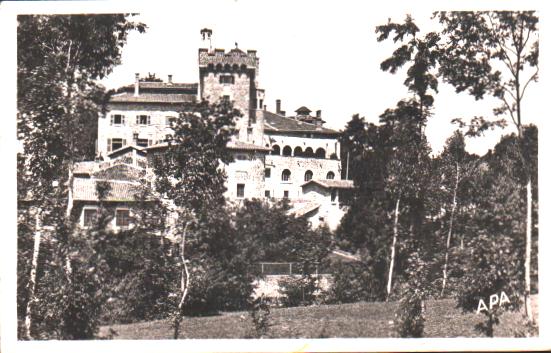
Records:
x=275, y=155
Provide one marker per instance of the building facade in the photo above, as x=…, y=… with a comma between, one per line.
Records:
x=275, y=156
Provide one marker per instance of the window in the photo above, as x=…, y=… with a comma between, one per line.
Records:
x=320, y=153
x=143, y=120
x=287, y=151
x=308, y=152
x=122, y=218
x=170, y=120
x=286, y=194
x=143, y=142
x=267, y=172
x=330, y=175
x=225, y=98
x=117, y=119
x=227, y=79
x=297, y=151
x=333, y=195
x=267, y=193
x=115, y=143
x=286, y=175
x=308, y=175
x=241, y=190
x=241, y=157
x=90, y=216
x=276, y=150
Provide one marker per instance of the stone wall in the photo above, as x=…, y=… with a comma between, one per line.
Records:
x=238, y=92
x=298, y=167
x=155, y=131
x=247, y=169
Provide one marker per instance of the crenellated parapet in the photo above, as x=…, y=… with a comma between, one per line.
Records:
x=233, y=60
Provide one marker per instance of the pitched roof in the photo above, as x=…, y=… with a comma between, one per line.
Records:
x=331, y=183
x=244, y=146
x=120, y=151
x=84, y=189
x=233, y=145
x=147, y=97
x=278, y=123
x=303, y=109
x=86, y=167
x=301, y=209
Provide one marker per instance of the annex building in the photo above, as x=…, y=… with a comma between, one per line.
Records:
x=276, y=155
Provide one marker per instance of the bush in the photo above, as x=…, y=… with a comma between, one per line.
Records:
x=297, y=291
x=260, y=315
x=354, y=282
x=411, y=315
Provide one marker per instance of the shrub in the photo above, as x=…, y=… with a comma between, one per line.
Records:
x=353, y=282
x=297, y=291
x=260, y=315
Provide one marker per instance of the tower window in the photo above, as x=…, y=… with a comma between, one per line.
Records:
x=286, y=175
x=240, y=190
x=227, y=79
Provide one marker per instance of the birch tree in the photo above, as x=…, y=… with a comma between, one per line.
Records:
x=419, y=53
x=59, y=58
x=189, y=177
x=495, y=53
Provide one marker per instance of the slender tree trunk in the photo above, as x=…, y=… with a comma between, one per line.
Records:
x=450, y=229
x=68, y=212
x=32, y=279
x=184, y=285
x=527, y=299
x=393, y=248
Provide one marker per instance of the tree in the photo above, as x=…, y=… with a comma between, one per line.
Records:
x=190, y=182
x=455, y=166
x=495, y=53
x=407, y=121
x=59, y=58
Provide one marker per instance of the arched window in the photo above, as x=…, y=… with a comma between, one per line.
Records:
x=320, y=153
x=276, y=150
x=286, y=175
x=330, y=175
x=308, y=175
x=308, y=152
x=287, y=151
x=297, y=151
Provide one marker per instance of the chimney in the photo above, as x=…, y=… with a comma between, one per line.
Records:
x=278, y=106
x=137, y=85
x=264, y=107
x=318, y=113
x=169, y=79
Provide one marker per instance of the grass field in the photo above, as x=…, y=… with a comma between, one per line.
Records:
x=345, y=320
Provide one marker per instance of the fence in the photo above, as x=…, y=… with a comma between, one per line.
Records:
x=287, y=268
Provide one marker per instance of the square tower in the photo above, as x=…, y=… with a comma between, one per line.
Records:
x=233, y=76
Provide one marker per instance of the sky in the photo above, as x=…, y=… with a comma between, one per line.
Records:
x=323, y=55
